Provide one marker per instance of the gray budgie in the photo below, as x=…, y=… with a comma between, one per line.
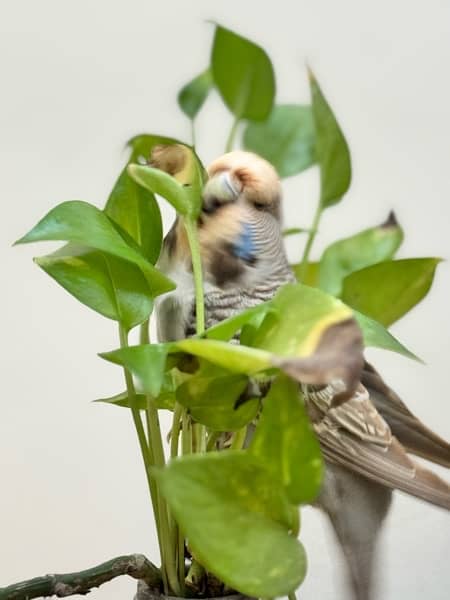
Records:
x=365, y=440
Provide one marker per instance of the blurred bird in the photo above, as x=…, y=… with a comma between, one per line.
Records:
x=365, y=441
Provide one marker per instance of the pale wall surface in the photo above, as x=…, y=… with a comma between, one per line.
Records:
x=80, y=78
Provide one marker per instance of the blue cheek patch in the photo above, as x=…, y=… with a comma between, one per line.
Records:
x=244, y=247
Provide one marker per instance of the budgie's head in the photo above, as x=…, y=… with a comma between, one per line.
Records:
x=240, y=224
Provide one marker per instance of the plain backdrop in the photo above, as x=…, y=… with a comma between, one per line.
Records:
x=79, y=78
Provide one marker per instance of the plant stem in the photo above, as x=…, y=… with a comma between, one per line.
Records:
x=144, y=337
x=186, y=435
x=232, y=135
x=168, y=550
x=239, y=439
x=212, y=439
x=292, y=596
x=309, y=242
x=82, y=582
x=194, y=246
x=146, y=450
x=175, y=433
x=193, y=133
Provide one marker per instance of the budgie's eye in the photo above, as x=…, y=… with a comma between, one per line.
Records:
x=259, y=205
x=211, y=204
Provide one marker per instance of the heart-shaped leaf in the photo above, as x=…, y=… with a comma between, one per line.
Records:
x=193, y=95
x=376, y=335
x=332, y=152
x=286, y=444
x=115, y=288
x=358, y=251
x=84, y=224
x=135, y=209
x=286, y=139
x=302, y=314
x=388, y=290
x=146, y=361
x=243, y=75
x=230, y=511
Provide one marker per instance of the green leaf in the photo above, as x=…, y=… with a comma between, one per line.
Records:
x=350, y=254
x=295, y=231
x=377, y=336
x=243, y=75
x=164, y=401
x=286, y=444
x=211, y=401
x=231, y=512
x=302, y=314
x=142, y=145
x=183, y=189
x=311, y=277
x=332, y=152
x=235, y=358
x=388, y=290
x=286, y=139
x=123, y=400
x=146, y=362
x=84, y=224
x=135, y=209
x=226, y=329
x=193, y=95
x=111, y=286
x=161, y=183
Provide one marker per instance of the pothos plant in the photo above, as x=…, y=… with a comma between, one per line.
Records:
x=226, y=509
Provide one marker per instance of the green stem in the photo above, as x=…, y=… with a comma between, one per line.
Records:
x=232, y=135
x=194, y=246
x=193, y=132
x=175, y=433
x=239, y=439
x=186, y=434
x=168, y=550
x=144, y=336
x=292, y=596
x=212, y=439
x=146, y=450
x=295, y=521
x=309, y=242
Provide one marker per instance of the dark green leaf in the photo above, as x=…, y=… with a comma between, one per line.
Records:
x=388, y=290
x=285, y=139
x=193, y=95
x=81, y=223
x=236, y=521
x=135, y=209
x=211, y=401
x=243, y=74
x=332, y=151
x=377, y=336
x=286, y=444
x=146, y=362
x=350, y=254
x=113, y=287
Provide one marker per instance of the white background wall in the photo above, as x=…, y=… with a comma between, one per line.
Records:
x=77, y=80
